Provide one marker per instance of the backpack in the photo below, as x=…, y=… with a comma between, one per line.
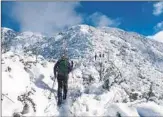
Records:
x=63, y=67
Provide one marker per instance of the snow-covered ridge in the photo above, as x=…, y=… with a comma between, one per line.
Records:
x=5, y=29
x=84, y=40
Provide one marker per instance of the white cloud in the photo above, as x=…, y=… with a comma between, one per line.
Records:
x=158, y=36
x=46, y=17
x=158, y=8
x=159, y=26
x=100, y=20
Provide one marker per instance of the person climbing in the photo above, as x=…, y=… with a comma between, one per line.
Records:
x=95, y=56
x=100, y=55
x=61, y=70
x=103, y=55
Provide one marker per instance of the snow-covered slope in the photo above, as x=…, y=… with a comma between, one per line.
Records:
x=19, y=42
x=124, y=82
x=26, y=86
x=28, y=39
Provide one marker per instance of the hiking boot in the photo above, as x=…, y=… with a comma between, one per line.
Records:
x=59, y=101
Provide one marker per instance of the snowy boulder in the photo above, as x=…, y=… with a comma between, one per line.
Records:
x=120, y=110
x=135, y=96
x=90, y=75
x=149, y=109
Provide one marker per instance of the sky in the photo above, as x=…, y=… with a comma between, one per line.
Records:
x=145, y=18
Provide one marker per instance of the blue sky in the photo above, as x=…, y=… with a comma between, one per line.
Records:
x=142, y=17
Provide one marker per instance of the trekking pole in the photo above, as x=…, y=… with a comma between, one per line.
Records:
x=49, y=97
x=72, y=77
x=7, y=98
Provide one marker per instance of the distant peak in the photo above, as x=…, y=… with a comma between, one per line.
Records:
x=5, y=29
x=30, y=34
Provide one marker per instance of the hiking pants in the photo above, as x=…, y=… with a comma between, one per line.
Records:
x=62, y=87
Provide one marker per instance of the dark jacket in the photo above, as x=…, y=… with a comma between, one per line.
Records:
x=69, y=66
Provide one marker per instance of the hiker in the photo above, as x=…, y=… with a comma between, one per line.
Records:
x=61, y=70
x=100, y=55
x=103, y=55
x=95, y=56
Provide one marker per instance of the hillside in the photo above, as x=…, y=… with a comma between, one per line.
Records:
x=127, y=80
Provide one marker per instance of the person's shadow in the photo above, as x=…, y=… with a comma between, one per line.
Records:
x=64, y=108
x=41, y=84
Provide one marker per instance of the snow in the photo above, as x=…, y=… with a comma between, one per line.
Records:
x=131, y=64
x=5, y=29
x=79, y=102
x=121, y=108
x=29, y=34
x=150, y=109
